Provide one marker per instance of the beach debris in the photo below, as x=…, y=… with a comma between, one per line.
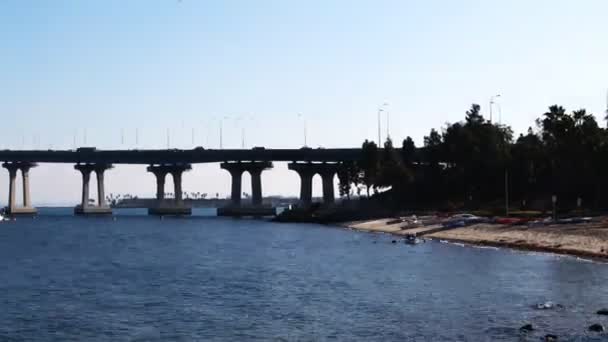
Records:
x=596, y=327
x=526, y=328
x=602, y=312
x=550, y=338
x=462, y=220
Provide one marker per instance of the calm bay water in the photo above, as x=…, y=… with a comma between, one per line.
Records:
x=204, y=278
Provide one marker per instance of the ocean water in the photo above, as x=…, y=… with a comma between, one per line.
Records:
x=139, y=278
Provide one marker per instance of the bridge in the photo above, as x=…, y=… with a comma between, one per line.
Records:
x=307, y=162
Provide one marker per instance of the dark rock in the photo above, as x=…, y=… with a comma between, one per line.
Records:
x=550, y=338
x=596, y=327
x=394, y=241
x=602, y=312
x=526, y=328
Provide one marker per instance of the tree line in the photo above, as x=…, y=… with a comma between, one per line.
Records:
x=475, y=163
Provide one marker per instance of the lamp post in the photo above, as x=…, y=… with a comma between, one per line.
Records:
x=388, y=126
x=304, y=128
x=221, y=132
x=491, y=103
x=380, y=110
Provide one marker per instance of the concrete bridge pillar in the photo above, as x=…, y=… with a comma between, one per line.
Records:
x=169, y=207
x=177, y=184
x=86, y=177
x=256, y=187
x=236, y=170
x=12, y=184
x=25, y=174
x=306, y=171
x=13, y=208
x=85, y=208
x=328, y=186
x=160, y=182
x=100, y=170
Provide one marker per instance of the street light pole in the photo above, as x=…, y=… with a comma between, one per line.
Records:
x=380, y=110
x=491, y=103
x=388, y=135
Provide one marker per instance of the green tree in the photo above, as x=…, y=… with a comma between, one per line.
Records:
x=369, y=164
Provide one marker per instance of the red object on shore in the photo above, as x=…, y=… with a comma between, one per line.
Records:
x=510, y=220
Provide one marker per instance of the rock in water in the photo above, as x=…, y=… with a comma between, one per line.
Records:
x=602, y=312
x=550, y=338
x=526, y=328
x=596, y=328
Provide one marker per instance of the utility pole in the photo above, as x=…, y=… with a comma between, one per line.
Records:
x=168, y=139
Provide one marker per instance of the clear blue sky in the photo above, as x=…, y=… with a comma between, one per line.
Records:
x=111, y=66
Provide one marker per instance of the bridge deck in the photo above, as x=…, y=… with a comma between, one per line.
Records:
x=175, y=156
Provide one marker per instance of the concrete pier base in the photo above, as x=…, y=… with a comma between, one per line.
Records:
x=170, y=211
x=247, y=211
x=92, y=211
x=174, y=206
x=21, y=211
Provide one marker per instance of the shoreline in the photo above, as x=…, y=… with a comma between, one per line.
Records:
x=581, y=240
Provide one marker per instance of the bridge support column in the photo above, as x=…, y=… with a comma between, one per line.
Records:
x=177, y=185
x=13, y=209
x=256, y=187
x=85, y=207
x=307, y=172
x=160, y=183
x=173, y=206
x=236, y=170
x=327, y=177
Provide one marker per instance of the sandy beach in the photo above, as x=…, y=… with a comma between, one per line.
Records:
x=586, y=239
